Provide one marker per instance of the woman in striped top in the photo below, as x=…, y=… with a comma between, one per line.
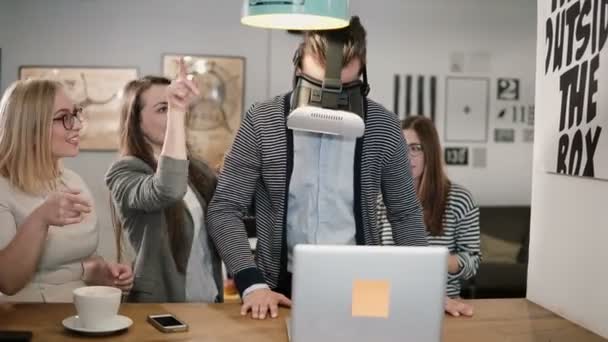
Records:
x=450, y=215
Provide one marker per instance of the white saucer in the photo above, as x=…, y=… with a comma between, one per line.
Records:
x=116, y=324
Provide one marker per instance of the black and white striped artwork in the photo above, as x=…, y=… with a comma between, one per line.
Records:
x=415, y=95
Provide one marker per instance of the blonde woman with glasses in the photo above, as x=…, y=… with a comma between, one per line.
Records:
x=48, y=225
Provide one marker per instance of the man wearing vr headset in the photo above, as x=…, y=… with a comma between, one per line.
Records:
x=315, y=174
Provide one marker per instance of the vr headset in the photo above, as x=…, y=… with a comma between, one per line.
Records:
x=328, y=106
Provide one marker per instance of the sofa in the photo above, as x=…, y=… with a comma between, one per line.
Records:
x=503, y=270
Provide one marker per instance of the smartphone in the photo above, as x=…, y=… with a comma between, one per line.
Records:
x=167, y=323
x=15, y=336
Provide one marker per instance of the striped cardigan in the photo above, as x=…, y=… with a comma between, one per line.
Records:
x=460, y=234
x=260, y=164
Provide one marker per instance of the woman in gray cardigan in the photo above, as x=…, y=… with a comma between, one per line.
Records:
x=160, y=196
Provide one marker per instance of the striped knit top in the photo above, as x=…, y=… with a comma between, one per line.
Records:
x=259, y=166
x=460, y=234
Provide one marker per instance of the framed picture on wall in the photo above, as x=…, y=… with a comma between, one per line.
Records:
x=216, y=115
x=467, y=109
x=97, y=90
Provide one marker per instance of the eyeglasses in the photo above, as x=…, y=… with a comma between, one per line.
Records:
x=414, y=149
x=69, y=118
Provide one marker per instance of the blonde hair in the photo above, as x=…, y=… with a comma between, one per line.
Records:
x=26, y=117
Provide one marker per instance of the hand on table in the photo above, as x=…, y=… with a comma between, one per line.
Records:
x=262, y=302
x=457, y=308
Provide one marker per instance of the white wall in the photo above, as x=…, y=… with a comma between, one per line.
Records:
x=413, y=36
x=569, y=224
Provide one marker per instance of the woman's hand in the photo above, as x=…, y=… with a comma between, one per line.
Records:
x=62, y=208
x=457, y=308
x=122, y=275
x=182, y=92
x=97, y=271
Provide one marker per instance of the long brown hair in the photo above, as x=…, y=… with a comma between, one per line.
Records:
x=434, y=185
x=26, y=118
x=133, y=143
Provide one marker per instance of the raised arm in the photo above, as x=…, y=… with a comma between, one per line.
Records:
x=130, y=181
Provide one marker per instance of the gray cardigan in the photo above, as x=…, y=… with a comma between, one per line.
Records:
x=140, y=196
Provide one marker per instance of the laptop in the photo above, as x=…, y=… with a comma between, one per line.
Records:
x=368, y=293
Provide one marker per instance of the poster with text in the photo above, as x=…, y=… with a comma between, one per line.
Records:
x=572, y=87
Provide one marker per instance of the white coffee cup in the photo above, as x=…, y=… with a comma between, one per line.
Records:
x=96, y=305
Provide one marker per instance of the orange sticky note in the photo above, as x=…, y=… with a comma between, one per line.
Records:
x=371, y=298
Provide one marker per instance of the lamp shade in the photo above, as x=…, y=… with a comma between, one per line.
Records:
x=296, y=14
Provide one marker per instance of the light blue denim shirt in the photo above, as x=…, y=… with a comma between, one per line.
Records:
x=321, y=191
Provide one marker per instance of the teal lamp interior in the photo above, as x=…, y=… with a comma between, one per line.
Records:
x=296, y=14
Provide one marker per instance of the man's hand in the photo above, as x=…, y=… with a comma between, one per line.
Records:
x=261, y=301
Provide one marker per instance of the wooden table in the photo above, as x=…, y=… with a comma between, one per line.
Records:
x=516, y=320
